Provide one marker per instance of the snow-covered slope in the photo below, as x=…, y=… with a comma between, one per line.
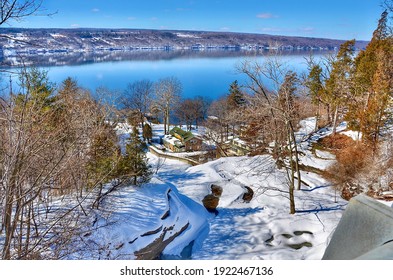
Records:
x=141, y=222
x=168, y=214
x=263, y=228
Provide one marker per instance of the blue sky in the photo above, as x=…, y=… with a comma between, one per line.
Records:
x=338, y=19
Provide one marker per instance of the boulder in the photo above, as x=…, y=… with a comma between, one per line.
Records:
x=216, y=190
x=247, y=196
x=211, y=202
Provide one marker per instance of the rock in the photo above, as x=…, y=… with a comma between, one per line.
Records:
x=211, y=202
x=216, y=190
x=248, y=195
x=154, y=250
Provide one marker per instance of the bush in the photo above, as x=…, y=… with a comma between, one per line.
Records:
x=337, y=142
x=351, y=174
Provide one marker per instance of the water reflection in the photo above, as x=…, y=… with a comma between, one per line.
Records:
x=78, y=58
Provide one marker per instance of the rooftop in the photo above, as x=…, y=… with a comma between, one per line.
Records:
x=184, y=135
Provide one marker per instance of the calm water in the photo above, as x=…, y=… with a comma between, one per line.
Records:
x=199, y=75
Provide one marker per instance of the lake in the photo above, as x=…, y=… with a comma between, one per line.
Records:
x=204, y=74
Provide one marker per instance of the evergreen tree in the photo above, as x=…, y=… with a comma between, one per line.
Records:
x=147, y=132
x=134, y=163
x=373, y=78
x=103, y=156
x=236, y=97
x=38, y=90
x=316, y=87
x=382, y=31
x=68, y=87
x=339, y=84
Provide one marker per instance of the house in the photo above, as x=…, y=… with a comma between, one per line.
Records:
x=237, y=147
x=182, y=141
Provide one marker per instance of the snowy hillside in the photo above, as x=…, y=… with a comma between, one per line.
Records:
x=166, y=218
x=170, y=210
x=263, y=228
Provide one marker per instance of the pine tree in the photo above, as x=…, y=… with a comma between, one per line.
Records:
x=382, y=31
x=316, y=87
x=103, y=157
x=236, y=97
x=373, y=78
x=38, y=89
x=339, y=84
x=134, y=163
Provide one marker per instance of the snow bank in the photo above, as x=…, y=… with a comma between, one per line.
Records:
x=132, y=219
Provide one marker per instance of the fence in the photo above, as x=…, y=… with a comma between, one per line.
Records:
x=159, y=153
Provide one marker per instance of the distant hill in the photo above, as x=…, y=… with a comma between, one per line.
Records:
x=16, y=42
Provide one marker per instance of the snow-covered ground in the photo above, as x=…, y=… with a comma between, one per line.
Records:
x=260, y=229
x=263, y=228
x=170, y=207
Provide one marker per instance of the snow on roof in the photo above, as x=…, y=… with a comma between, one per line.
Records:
x=184, y=135
x=172, y=140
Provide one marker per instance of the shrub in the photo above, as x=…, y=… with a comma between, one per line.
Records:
x=352, y=166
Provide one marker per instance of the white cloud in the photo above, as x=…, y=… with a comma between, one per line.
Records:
x=266, y=16
x=95, y=10
x=308, y=29
x=75, y=25
x=131, y=18
x=182, y=9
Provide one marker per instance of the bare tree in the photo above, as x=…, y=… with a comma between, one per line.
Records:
x=388, y=5
x=17, y=10
x=276, y=106
x=168, y=92
x=191, y=111
x=185, y=112
x=138, y=96
x=200, y=108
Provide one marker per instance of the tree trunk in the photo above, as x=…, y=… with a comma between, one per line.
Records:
x=291, y=176
x=328, y=109
x=165, y=120
x=335, y=120
x=9, y=203
x=292, y=208
x=317, y=116
x=299, y=179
